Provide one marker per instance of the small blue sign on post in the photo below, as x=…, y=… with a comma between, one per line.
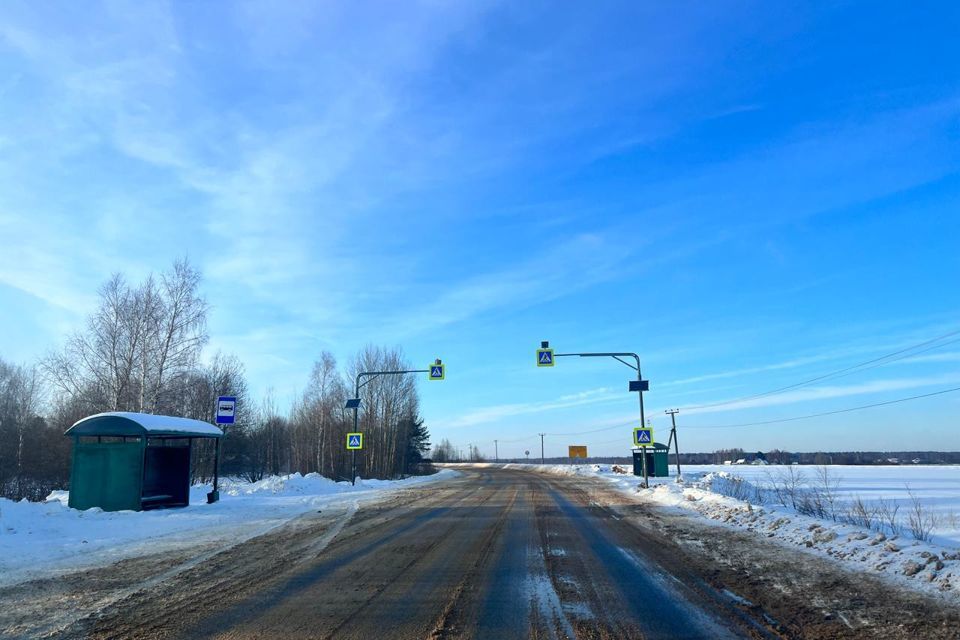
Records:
x=643, y=437
x=354, y=441
x=544, y=357
x=437, y=372
x=226, y=409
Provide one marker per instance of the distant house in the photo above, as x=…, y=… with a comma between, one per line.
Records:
x=893, y=460
x=759, y=462
x=916, y=461
x=728, y=462
x=741, y=461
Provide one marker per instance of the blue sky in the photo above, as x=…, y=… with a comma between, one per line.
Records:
x=747, y=194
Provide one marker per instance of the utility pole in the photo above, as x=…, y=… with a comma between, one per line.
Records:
x=496, y=452
x=673, y=438
x=541, y=448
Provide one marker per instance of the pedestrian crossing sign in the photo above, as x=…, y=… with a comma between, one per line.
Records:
x=437, y=372
x=643, y=437
x=354, y=441
x=544, y=357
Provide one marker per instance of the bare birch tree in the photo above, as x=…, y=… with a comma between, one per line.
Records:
x=137, y=344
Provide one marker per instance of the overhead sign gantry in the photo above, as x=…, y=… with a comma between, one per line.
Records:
x=437, y=371
x=546, y=357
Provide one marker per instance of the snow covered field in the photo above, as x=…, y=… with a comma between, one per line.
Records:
x=932, y=565
x=936, y=488
x=37, y=539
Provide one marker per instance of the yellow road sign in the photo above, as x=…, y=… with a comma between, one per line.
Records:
x=577, y=451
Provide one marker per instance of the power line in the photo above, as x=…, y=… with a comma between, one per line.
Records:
x=825, y=413
x=581, y=433
x=884, y=359
x=872, y=363
x=524, y=439
x=779, y=420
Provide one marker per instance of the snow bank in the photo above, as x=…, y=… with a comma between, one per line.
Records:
x=937, y=488
x=932, y=566
x=40, y=539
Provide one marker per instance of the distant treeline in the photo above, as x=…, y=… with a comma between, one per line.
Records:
x=779, y=457
x=141, y=351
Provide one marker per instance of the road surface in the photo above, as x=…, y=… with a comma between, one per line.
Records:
x=495, y=553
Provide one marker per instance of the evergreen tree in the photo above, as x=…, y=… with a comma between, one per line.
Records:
x=418, y=440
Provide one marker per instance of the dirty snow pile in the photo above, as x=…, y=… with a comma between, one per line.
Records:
x=866, y=517
x=41, y=539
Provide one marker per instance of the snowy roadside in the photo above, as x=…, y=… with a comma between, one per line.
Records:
x=928, y=566
x=41, y=539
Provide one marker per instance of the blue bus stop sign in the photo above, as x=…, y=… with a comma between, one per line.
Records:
x=226, y=409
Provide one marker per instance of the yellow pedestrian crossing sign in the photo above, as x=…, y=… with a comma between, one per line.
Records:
x=354, y=441
x=643, y=437
x=544, y=357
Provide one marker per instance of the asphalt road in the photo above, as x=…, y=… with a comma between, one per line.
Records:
x=493, y=554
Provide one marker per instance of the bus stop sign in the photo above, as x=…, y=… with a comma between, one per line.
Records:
x=226, y=409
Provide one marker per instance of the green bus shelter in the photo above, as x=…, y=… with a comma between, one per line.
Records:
x=657, y=460
x=133, y=461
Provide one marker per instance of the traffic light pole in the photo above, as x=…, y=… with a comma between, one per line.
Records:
x=619, y=357
x=356, y=409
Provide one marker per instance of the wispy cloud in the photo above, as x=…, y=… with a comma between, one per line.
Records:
x=828, y=392
x=491, y=416
x=496, y=413
x=746, y=371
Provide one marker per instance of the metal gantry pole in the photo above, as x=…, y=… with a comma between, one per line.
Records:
x=356, y=421
x=618, y=356
x=496, y=452
x=356, y=409
x=542, y=459
x=643, y=423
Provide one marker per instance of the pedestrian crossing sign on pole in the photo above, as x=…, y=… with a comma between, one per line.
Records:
x=437, y=371
x=354, y=441
x=643, y=437
x=544, y=357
